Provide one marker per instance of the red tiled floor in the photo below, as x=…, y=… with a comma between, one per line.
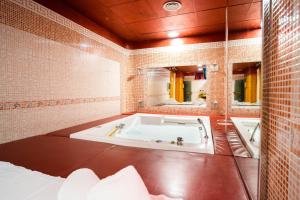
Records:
x=219, y=135
x=178, y=174
x=249, y=172
x=52, y=155
x=191, y=176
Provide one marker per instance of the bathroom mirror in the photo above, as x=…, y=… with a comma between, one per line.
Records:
x=177, y=86
x=244, y=91
x=245, y=85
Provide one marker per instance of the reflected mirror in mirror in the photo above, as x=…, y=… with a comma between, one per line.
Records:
x=244, y=84
x=179, y=86
x=246, y=78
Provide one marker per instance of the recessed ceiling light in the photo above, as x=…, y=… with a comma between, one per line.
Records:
x=177, y=42
x=172, y=6
x=173, y=34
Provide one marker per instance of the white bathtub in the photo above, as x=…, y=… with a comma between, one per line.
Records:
x=155, y=132
x=246, y=127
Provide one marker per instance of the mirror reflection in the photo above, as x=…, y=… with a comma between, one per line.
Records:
x=246, y=85
x=245, y=89
x=177, y=86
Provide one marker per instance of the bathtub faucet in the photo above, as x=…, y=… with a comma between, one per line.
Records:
x=253, y=133
x=120, y=126
x=179, y=141
x=114, y=130
x=204, y=129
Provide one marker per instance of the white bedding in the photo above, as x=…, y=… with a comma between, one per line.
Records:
x=19, y=183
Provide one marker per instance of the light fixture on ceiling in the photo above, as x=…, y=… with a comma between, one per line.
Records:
x=173, y=34
x=172, y=6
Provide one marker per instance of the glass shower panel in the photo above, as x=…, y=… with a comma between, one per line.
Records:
x=243, y=88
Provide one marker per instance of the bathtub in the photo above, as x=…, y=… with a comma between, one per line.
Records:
x=155, y=132
x=245, y=127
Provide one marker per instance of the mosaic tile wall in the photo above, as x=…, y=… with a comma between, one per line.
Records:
x=280, y=148
x=250, y=51
x=53, y=72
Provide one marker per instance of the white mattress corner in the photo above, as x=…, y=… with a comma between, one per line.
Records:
x=20, y=183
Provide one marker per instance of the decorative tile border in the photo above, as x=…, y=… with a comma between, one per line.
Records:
x=45, y=103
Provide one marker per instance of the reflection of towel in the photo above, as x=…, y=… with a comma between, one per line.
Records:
x=239, y=90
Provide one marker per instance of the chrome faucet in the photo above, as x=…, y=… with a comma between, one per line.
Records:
x=204, y=129
x=117, y=128
x=253, y=133
x=120, y=126
x=179, y=141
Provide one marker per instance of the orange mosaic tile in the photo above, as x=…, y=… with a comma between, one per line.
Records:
x=280, y=163
x=50, y=64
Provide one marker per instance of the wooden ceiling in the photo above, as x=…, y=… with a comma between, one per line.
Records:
x=136, y=21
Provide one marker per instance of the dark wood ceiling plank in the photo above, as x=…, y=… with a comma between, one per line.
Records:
x=135, y=11
x=103, y=16
x=113, y=2
x=209, y=4
x=245, y=25
x=240, y=2
x=244, y=12
x=166, y=24
x=187, y=32
x=211, y=17
x=129, y=21
x=188, y=6
x=186, y=40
